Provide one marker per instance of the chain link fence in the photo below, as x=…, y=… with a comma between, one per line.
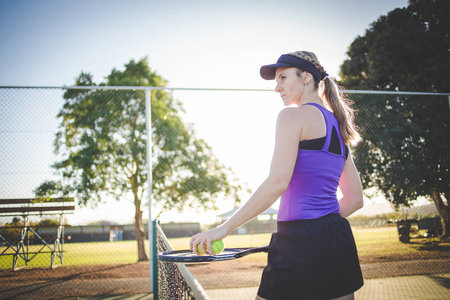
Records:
x=226, y=139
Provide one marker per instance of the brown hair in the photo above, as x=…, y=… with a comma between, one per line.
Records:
x=332, y=96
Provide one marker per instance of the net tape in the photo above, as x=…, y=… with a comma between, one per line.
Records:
x=175, y=282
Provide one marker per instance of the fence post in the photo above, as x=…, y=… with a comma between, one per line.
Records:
x=155, y=262
x=148, y=117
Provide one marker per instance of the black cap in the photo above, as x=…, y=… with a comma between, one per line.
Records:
x=287, y=60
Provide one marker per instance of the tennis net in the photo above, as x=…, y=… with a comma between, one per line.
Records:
x=175, y=282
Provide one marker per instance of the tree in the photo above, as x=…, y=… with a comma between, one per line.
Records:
x=48, y=222
x=407, y=50
x=11, y=232
x=405, y=145
x=102, y=139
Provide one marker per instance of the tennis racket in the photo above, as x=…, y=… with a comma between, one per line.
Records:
x=187, y=256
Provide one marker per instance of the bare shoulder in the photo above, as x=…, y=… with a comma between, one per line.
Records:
x=307, y=120
x=298, y=114
x=291, y=120
x=288, y=112
x=289, y=116
x=309, y=111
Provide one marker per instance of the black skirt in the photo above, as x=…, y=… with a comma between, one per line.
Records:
x=311, y=259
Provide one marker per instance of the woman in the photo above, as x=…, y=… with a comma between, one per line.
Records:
x=313, y=254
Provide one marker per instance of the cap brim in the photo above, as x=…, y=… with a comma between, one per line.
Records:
x=268, y=72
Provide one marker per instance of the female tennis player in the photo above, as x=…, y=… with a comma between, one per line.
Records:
x=313, y=254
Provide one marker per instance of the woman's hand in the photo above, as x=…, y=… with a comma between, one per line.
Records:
x=204, y=239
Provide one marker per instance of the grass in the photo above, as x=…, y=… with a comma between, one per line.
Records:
x=369, y=241
x=378, y=242
x=82, y=254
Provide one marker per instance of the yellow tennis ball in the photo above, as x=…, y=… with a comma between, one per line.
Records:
x=217, y=247
x=199, y=250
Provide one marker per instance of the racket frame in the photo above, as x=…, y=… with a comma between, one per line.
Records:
x=227, y=254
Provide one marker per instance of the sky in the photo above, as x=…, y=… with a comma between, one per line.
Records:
x=192, y=44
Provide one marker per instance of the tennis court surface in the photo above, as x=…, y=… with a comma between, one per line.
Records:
x=421, y=287
x=435, y=287
x=431, y=286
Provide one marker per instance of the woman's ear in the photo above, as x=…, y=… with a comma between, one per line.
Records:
x=307, y=77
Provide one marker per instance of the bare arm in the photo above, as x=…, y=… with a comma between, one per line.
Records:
x=350, y=185
x=282, y=166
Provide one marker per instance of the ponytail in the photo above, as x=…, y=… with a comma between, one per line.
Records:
x=332, y=96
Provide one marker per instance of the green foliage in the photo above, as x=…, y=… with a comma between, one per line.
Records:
x=102, y=139
x=405, y=50
x=11, y=231
x=405, y=145
x=48, y=222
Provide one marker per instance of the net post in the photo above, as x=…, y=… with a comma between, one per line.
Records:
x=152, y=253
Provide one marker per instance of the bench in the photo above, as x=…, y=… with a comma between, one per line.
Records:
x=432, y=226
x=25, y=208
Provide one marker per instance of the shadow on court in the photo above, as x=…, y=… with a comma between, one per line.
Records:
x=395, y=288
x=414, y=279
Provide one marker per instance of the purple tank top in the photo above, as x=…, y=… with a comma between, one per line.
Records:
x=312, y=191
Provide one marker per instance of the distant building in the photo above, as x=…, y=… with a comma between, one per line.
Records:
x=173, y=229
x=263, y=223
x=114, y=232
